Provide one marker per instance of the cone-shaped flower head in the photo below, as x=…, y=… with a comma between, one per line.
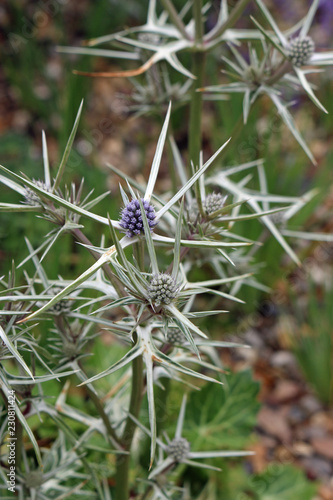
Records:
x=131, y=218
x=175, y=336
x=69, y=349
x=178, y=449
x=213, y=202
x=32, y=198
x=34, y=479
x=162, y=289
x=61, y=307
x=300, y=50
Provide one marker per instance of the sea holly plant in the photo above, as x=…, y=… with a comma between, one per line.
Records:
x=127, y=333
x=282, y=61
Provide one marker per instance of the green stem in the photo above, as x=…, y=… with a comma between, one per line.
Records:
x=286, y=67
x=100, y=409
x=19, y=443
x=123, y=461
x=139, y=254
x=198, y=20
x=175, y=18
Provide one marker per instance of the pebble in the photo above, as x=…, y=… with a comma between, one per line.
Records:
x=317, y=468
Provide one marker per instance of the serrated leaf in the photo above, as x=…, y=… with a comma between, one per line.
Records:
x=283, y=482
x=219, y=417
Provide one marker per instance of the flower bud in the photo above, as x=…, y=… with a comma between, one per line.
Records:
x=69, y=349
x=213, y=202
x=32, y=198
x=61, y=307
x=178, y=449
x=175, y=336
x=162, y=289
x=34, y=479
x=300, y=50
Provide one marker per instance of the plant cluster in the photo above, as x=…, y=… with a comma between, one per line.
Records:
x=143, y=288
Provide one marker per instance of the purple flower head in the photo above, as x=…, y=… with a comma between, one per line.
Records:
x=131, y=218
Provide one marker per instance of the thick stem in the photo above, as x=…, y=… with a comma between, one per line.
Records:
x=123, y=461
x=100, y=409
x=139, y=254
x=198, y=20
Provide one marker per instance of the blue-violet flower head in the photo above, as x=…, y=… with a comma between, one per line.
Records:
x=131, y=218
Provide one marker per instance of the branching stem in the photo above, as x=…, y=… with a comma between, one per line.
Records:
x=123, y=461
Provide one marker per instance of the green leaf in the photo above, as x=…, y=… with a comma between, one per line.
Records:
x=306, y=86
x=289, y=121
x=283, y=481
x=223, y=417
x=87, y=51
x=129, y=356
x=271, y=21
x=199, y=243
x=14, y=352
x=20, y=416
x=309, y=18
x=180, y=316
x=176, y=258
x=10, y=207
x=72, y=286
x=191, y=181
x=269, y=38
x=62, y=202
x=47, y=175
x=157, y=158
x=67, y=150
x=149, y=240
